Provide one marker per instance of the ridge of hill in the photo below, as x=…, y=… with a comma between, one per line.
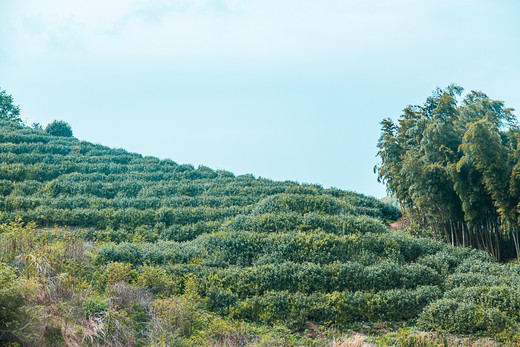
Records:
x=99, y=246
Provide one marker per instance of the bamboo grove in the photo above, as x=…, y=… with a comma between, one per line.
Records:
x=454, y=166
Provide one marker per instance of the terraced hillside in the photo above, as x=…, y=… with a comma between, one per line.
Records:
x=57, y=180
x=104, y=247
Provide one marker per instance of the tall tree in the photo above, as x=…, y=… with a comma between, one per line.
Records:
x=8, y=110
x=454, y=165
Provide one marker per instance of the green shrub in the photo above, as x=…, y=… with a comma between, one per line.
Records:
x=118, y=272
x=504, y=298
x=59, y=128
x=95, y=306
x=300, y=203
x=14, y=318
x=175, y=317
x=462, y=317
x=340, y=308
x=52, y=334
x=12, y=314
x=157, y=280
x=7, y=275
x=220, y=301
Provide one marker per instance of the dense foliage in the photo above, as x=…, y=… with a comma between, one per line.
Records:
x=59, y=128
x=153, y=225
x=8, y=110
x=56, y=180
x=454, y=166
x=99, y=246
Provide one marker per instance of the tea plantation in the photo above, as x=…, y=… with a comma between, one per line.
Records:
x=100, y=246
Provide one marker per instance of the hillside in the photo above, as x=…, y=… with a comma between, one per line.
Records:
x=99, y=246
x=62, y=181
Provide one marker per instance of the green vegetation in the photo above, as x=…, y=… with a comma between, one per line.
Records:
x=8, y=110
x=59, y=128
x=99, y=246
x=454, y=166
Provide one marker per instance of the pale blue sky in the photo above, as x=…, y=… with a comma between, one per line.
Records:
x=288, y=90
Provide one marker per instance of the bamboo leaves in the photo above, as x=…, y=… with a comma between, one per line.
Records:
x=455, y=168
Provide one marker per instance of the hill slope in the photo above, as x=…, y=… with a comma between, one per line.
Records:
x=149, y=252
x=57, y=180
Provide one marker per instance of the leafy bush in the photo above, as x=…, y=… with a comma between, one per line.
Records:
x=220, y=301
x=118, y=272
x=14, y=318
x=463, y=317
x=95, y=306
x=59, y=128
x=157, y=280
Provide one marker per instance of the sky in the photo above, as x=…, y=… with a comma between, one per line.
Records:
x=281, y=89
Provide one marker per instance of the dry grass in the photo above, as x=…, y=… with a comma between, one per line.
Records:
x=355, y=340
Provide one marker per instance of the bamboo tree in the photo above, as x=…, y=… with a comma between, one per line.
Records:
x=454, y=166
